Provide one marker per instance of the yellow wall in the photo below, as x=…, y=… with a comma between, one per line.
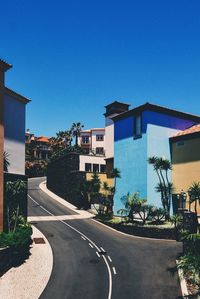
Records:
x=186, y=164
x=103, y=178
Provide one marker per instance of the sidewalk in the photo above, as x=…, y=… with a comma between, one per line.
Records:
x=29, y=279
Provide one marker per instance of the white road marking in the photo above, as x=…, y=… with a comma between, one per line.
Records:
x=91, y=245
x=110, y=259
x=114, y=270
x=83, y=238
x=97, y=254
x=102, y=249
x=80, y=233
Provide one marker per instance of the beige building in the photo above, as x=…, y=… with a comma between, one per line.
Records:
x=185, y=150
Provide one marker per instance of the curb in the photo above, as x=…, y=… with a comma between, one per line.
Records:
x=30, y=278
x=133, y=236
x=183, y=283
x=43, y=187
x=65, y=203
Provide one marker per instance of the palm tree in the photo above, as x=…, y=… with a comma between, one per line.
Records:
x=115, y=174
x=65, y=138
x=165, y=187
x=76, y=129
x=194, y=191
x=6, y=161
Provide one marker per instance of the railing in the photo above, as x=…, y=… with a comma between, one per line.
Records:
x=93, y=152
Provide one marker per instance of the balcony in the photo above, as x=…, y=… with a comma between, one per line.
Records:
x=94, y=152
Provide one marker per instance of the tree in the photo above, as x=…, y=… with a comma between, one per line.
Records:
x=6, y=161
x=108, y=192
x=115, y=174
x=165, y=187
x=76, y=129
x=194, y=192
x=64, y=138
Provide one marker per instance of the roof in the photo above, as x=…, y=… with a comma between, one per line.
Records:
x=4, y=65
x=16, y=95
x=191, y=132
x=157, y=108
x=116, y=102
x=94, y=129
x=43, y=139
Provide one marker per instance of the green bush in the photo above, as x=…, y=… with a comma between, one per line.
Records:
x=18, y=240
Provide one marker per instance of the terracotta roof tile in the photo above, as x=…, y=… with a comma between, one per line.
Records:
x=42, y=139
x=191, y=130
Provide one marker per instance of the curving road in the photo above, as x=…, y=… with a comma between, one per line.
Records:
x=93, y=262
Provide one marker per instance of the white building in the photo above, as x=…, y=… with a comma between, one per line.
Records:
x=93, y=142
x=112, y=110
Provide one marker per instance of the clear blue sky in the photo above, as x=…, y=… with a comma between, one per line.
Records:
x=73, y=57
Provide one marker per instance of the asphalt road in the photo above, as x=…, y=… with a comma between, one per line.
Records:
x=132, y=267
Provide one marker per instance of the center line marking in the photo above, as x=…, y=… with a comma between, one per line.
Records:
x=102, y=249
x=114, y=271
x=83, y=238
x=91, y=245
x=97, y=254
x=109, y=258
x=77, y=231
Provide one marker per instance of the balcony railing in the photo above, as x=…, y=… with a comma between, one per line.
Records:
x=93, y=152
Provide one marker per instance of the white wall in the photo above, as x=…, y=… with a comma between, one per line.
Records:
x=96, y=143
x=109, y=138
x=90, y=159
x=14, y=140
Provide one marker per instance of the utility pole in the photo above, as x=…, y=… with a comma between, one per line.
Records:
x=3, y=68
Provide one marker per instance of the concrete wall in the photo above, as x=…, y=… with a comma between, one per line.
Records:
x=14, y=144
x=186, y=164
x=130, y=158
x=96, y=143
x=159, y=129
x=90, y=159
x=131, y=154
x=109, y=138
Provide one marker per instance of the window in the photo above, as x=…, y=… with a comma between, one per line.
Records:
x=95, y=167
x=99, y=150
x=85, y=139
x=180, y=143
x=99, y=137
x=138, y=126
x=88, y=167
x=102, y=168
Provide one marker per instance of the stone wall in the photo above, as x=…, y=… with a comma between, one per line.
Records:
x=63, y=176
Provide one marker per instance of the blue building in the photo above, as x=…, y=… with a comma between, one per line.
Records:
x=140, y=133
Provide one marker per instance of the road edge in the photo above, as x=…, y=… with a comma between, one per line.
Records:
x=183, y=283
x=65, y=203
x=29, y=279
x=43, y=187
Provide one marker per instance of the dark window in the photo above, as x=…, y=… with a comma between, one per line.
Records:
x=95, y=167
x=85, y=139
x=99, y=137
x=102, y=168
x=99, y=150
x=180, y=143
x=88, y=167
x=138, y=126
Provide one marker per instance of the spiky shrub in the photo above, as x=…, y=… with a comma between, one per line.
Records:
x=190, y=261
